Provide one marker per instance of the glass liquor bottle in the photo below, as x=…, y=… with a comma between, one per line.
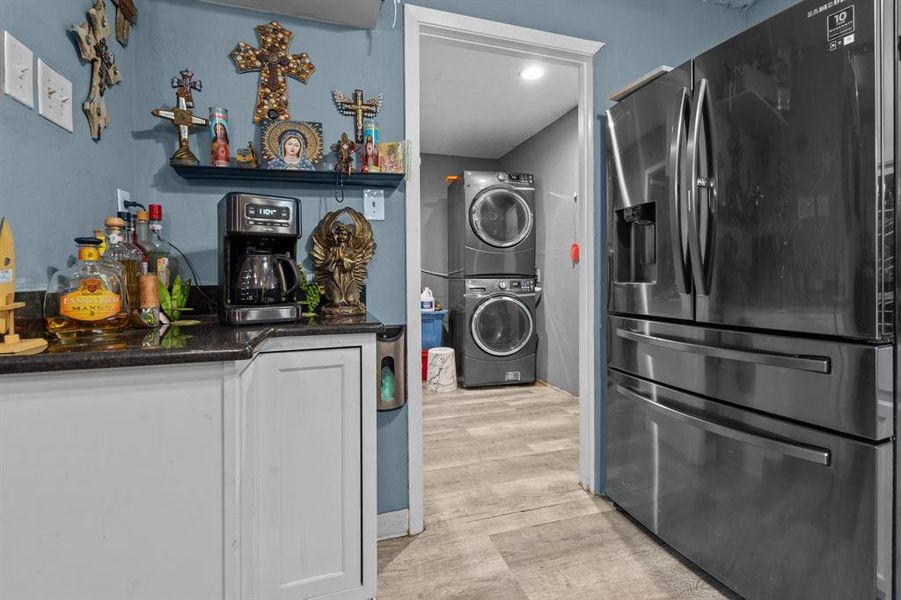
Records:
x=105, y=258
x=87, y=299
x=130, y=239
x=129, y=256
x=158, y=261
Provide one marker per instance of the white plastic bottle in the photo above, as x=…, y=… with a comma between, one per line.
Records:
x=426, y=300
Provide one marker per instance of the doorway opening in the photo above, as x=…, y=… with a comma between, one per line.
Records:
x=431, y=37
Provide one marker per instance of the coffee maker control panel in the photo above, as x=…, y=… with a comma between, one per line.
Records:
x=252, y=214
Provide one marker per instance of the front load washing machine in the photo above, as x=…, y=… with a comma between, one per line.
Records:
x=494, y=332
x=491, y=225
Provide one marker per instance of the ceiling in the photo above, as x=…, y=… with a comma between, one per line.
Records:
x=353, y=13
x=475, y=104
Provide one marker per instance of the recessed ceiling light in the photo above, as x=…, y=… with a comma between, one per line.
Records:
x=532, y=73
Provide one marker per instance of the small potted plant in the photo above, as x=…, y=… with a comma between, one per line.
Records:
x=309, y=292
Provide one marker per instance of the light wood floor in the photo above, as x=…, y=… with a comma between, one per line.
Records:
x=506, y=519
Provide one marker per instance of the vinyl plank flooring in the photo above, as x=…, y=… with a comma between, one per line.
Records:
x=506, y=519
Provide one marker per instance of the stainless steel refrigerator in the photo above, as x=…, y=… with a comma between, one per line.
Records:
x=750, y=397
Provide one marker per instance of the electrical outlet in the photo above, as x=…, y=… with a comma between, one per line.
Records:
x=18, y=70
x=54, y=96
x=374, y=205
x=121, y=198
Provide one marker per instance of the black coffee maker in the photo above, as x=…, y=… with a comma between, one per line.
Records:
x=258, y=278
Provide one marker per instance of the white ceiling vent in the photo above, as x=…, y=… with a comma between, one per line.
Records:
x=353, y=13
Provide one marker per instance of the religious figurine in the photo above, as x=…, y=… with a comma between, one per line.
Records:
x=274, y=62
x=344, y=150
x=182, y=117
x=357, y=108
x=246, y=157
x=92, y=47
x=341, y=253
x=126, y=16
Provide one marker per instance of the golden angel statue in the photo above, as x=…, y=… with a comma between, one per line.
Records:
x=341, y=252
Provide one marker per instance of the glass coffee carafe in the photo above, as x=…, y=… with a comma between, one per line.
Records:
x=266, y=278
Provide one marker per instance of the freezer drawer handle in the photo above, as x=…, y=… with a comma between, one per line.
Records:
x=820, y=456
x=819, y=364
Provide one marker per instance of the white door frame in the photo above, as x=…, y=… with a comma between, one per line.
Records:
x=425, y=22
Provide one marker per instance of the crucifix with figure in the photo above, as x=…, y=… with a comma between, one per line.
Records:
x=275, y=63
x=357, y=108
x=182, y=117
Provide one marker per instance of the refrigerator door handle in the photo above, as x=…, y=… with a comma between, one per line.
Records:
x=819, y=456
x=815, y=364
x=694, y=184
x=682, y=282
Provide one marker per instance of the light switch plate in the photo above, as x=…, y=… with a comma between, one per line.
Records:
x=54, y=96
x=18, y=70
x=374, y=205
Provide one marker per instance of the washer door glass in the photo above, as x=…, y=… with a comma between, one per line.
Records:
x=500, y=217
x=502, y=325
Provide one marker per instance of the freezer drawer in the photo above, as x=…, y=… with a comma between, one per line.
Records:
x=846, y=387
x=769, y=508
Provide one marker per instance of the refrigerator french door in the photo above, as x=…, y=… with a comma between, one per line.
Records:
x=753, y=187
x=750, y=406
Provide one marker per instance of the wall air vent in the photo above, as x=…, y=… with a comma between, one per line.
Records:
x=736, y=4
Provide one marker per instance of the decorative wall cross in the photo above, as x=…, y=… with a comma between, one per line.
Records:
x=357, y=108
x=274, y=62
x=126, y=16
x=92, y=47
x=182, y=117
x=185, y=86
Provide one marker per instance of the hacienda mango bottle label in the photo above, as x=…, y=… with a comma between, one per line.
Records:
x=92, y=301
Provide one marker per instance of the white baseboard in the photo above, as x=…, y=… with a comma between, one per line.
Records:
x=393, y=524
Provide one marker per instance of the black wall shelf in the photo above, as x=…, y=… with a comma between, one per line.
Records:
x=380, y=180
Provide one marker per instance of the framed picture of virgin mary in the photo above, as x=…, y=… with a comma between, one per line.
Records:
x=292, y=145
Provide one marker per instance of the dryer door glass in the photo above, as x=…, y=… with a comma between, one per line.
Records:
x=501, y=217
x=502, y=325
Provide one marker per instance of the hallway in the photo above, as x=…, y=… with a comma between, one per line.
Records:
x=505, y=516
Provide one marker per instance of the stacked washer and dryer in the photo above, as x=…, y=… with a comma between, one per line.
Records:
x=491, y=267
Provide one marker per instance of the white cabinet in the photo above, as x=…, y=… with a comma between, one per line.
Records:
x=111, y=484
x=252, y=480
x=310, y=495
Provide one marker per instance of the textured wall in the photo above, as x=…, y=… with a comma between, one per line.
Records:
x=56, y=185
x=552, y=155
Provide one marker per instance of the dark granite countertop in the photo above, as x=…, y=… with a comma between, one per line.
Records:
x=210, y=341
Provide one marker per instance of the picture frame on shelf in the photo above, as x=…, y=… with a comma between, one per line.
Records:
x=292, y=145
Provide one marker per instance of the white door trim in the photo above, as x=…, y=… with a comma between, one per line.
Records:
x=419, y=22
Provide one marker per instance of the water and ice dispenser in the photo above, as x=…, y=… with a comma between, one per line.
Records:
x=635, y=246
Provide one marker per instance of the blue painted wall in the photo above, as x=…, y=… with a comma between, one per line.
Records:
x=57, y=185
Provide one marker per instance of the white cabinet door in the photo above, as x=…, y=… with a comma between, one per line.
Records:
x=309, y=470
x=111, y=484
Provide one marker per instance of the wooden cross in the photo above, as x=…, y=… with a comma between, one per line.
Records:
x=92, y=47
x=185, y=86
x=357, y=108
x=183, y=118
x=274, y=62
x=126, y=16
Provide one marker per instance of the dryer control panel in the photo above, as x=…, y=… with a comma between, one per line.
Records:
x=526, y=179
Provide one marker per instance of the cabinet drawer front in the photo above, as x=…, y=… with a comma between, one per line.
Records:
x=772, y=509
x=309, y=498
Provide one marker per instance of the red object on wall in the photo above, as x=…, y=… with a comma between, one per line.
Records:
x=425, y=365
x=574, y=252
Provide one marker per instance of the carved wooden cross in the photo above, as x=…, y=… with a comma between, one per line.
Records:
x=92, y=47
x=185, y=86
x=183, y=118
x=126, y=16
x=274, y=62
x=357, y=108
